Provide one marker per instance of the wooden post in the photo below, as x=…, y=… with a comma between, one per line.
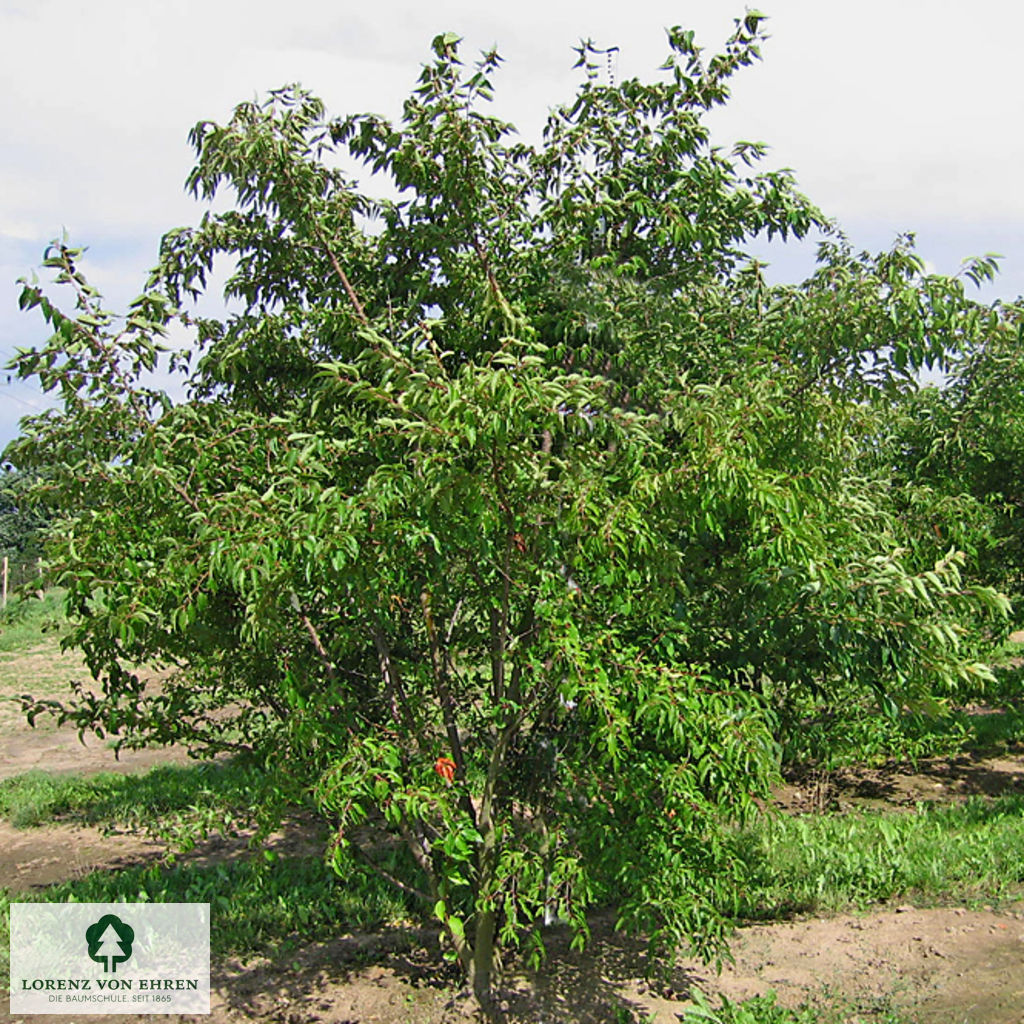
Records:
x=4, y=605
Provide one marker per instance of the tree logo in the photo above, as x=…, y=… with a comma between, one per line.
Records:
x=110, y=942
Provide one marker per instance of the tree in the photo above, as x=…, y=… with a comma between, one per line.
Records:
x=508, y=516
x=21, y=525
x=959, y=449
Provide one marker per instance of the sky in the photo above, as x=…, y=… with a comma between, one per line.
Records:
x=896, y=115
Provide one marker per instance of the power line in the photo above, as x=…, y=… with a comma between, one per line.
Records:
x=39, y=399
x=20, y=382
x=20, y=401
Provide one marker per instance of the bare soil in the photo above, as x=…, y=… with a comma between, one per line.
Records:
x=45, y=671
x=939, y=966
x=902, y=786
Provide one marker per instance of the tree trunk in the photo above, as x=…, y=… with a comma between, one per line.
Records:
x=481, y=973
x=482, y=968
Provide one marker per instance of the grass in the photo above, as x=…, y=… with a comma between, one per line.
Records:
x=262, y=905
x=806, y=864
x=27, y=622
x=765, y=1010
x=961, y=853
x=855, y=735
x=172, y=801
x=994, y=731
x=849, y=730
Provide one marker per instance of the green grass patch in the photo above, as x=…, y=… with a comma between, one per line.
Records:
x=766, y=1010
x=177, y=802
x=969, y=852
x=27, y=622
x=857, y=734
x=996, y=730
x=259, y=905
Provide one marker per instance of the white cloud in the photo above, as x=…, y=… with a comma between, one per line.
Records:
x=895, y=114
x=20, y=230
x=902, y=110
x=898, y=109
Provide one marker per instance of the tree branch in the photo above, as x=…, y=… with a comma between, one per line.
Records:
x=340, y=271
x=439, y=665
x=365, y=858
x=314, y=636
x=394, y=688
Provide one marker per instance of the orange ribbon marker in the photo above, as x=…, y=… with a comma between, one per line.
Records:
x=445, y=767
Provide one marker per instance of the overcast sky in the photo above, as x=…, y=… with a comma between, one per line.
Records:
x=895, y=114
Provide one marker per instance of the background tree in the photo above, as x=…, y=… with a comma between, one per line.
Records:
x=958, y=449
x=22, y=521
x=514, y=516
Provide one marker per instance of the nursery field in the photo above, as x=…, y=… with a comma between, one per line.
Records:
x=889, y=893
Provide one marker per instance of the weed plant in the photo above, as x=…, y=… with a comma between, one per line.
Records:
x=766, y=1010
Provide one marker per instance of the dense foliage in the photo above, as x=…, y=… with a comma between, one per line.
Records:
x=22, y=522
x=519, y=516
x=963, y=448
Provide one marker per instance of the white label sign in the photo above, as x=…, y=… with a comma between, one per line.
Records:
x=110, y=958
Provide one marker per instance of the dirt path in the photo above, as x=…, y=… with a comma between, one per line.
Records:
x=33, y=858
x=942, y=965
x=902, y=787
x=45, y=671
x=60, y=750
